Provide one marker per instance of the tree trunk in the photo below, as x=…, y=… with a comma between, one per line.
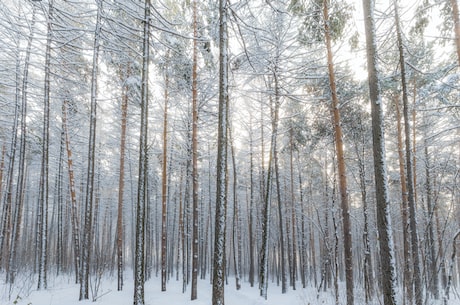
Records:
x=221, y=196
x=164, y=184
x=409, y=168
x=407, y=274
x=388, y=276
x=139, y=255
x=43, y=200
x=121, y=181
x=195, y=212
x=275, y=120
x=251, y=208
x=17, y=219
x=347, y=240
x=433, y=279
x=89, y=199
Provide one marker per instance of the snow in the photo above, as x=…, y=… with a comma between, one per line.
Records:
x=63, y=291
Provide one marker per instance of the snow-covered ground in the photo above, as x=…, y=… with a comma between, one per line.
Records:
x=62, y=291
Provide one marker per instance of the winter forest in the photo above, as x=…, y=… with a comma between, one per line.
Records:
x=211, y=147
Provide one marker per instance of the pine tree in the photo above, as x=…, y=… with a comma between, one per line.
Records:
x=388, y=276
x=218, y=280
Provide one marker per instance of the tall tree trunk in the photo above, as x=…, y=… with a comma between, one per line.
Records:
x=347, y=240
x=433, y=279
x=409, y=168
x=89, y=199
x=264, y=249
x=195, y=213
x=407, y=274
x=43, y=200
x=17, y=219
x=251, y=207
x=73, y=195
x=293, y=256
x=121, y=181
x=164, y=186
x=387, y=272
x=367, y=269
x=221, y=196
x=275, y=120
x=139, y=255
x=235, y=225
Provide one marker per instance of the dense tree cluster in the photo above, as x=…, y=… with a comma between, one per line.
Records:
x=245, y=141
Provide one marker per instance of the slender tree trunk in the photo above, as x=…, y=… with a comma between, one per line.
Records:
x=139, y=257
x=433, y=279
x=235, y=225
x=275, y=120
x=43, y=200
x=251, y=208
x=409, y=169
x=164, y=187
x=264, y=249
x=73, y=195
x=367, y=270
x=387, y=272
x=121, y=181
x=17, y=219
x=347, y=240
x=195, y=212
x=293, y=214
x=407, y=274
x=221, y=196
x=89, y=199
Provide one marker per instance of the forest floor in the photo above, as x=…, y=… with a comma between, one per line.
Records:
x=62, y=291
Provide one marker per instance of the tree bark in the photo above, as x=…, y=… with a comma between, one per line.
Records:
x=387, y=272
x=121, y=181
x=164, y=185
x=347, y=240
x=407, y=274
x=139, y=255
x=44, y=172
x=418, y=290
x=89, y=199
x=221, y=196
x=195, y=212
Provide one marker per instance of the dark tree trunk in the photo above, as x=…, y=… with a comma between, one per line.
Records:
x=387, y=271
x=221, y=196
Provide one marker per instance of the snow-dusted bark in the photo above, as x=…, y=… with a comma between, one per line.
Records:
x=417, y=280
x=19, y=200
x=194, y=157
x=73, y=195
x=43, y=199
x=387, y=258
x=221, y=196
x=89, y=199
x=343, y=185
x=139, y=255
